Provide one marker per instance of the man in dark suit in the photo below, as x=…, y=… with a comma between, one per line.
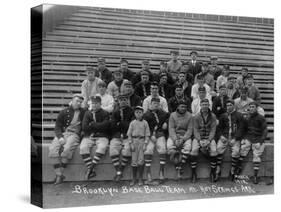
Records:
x=194, y=65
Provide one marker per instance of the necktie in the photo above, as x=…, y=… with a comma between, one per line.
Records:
x=94, y=117
x=157, y=121
x=144, y=90
x=122, y=114
x=162, y=90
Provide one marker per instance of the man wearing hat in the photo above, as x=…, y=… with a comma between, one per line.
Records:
x=186, y=85
x=103, y=72
x=145, y=66
x=242, y=103
x=133, y=99
x=253, y=91
x=200, y=83
x=219, y=102
x=142, y=88
x=230, y=131
x=107, y=101
x=119, y=144
x=194, y=65
x=157, y=120
x=256, y=133
x=164, y=69
x=231, y=88
x=188, y=74
x=67, y=136
x=179, y=142
x=96, y=129
x=174, y=65
x=196, y=103
x=127, y=73
x=208, y=78
x=165, y=89
x=179, y=96
x=242, y=77
x=204, y=130
x=222, y=79
x=89, y=86
x=214, y=69
x=154, y=90
x=116, y=86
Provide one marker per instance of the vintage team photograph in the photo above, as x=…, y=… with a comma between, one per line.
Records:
x=133, y=106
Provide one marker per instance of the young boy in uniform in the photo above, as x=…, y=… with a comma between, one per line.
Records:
x=138, y=135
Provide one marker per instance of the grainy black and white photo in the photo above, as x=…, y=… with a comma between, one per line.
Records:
x=131, y=106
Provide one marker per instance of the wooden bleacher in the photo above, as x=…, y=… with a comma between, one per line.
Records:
x=135, y=34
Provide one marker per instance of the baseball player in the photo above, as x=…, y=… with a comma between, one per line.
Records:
x=179, y=143
x=102, y=71
x=89, y=86
x=95, y=127
x=174, y=65
x=229, y=132
x=116, y=86
x=121, y=118
x=157, y=120
x=67, y=136
x=127, y=73
x=208, y=78
x=134, y=100
x=179, y=96
x=215, y=70
x=219, y=102
x=138, y=135
x=154, y=90
x=204, y=129
x=142, y=88
x=256, y=132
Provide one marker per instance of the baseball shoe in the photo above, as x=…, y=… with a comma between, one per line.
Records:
x=90, y=173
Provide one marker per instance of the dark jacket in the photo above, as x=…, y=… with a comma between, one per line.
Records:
x=219, y=107
x=173, y=103
x=216, y=71
x=105, y=75
x=237, y=125
x=64, y=119
x=194, y=69
x=256, y=129
x=135, y=100
x=204, y=129
x=168, y=91
x=128, y=74
x=163, y=117
x=98, y=128
x=140, y=92
x=120, y=125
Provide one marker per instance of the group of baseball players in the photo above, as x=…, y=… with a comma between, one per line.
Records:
x=180, y=109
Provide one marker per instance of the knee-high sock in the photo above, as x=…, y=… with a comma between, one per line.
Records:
x=239, y=163
x=256, y=168
x=97, y=158
x=115, y=162
x=219, y=159
x=193, y=162
x=162, y=158
x=147, y=161
x=124, y=162
x=184, y=158
x=87, y=160
x=234, y=163
x=213, y=162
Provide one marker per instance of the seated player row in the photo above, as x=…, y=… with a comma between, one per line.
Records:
x=135, y=134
